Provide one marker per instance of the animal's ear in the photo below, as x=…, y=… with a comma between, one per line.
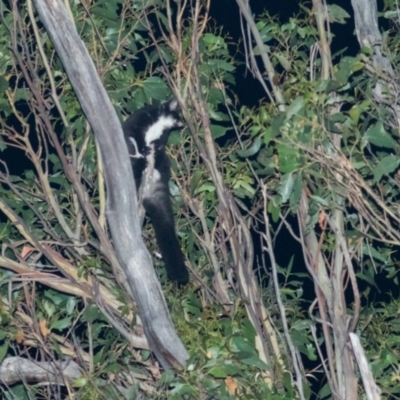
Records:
x=173, y=104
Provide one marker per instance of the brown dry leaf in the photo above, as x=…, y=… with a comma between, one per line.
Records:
x=219, y=85
x=19, y=337
x=322, y=220
x=26, y=250
x=232, y=385
x=44, y=330
x=111, y=377
x=155, y=371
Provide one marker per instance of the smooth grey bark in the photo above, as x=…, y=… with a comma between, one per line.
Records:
x=368, y=35
x=17, y=369
x=372, y=391
x=367, y=29
x=122, y=206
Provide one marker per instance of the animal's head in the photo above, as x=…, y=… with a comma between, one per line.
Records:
x=170, y=109
x=167, y=120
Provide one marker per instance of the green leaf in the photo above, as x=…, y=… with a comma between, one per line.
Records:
x=296, y=192
x=49, y=308
x=56, y=297
x=320, y=200
x=345, y=69
x=328, y=86
x=18, y=392
x=386, y=166
x=274, y=210
x=277, y=122
x=218, y=372
x=391, y=358
x=3, y=84
x=71, y=303
x=175, y=138
x=295, y=107
x=92, y=313
x=337, y=14
x=155, y=88
x=391, y=14
x=267, y=135
x=325, y=392
x=3, y=351
x=367, y=278
x=197, y=175
x=286, y=186
x=254, y=362
x=107, y=13
x=206, y=187
x=311, y=352
x=80, y=382
x=370, y=251
x=61, y=324
x=377, y=136
x=99, y=356
x=214, y=42
x=288, y=384
x=284, y=61
x=132, y=393
x=167, y=377
x=242, y=184
x=22, y=94
x=243, y=348
x=218, y=131
x=232, y=369
x=57, y=348
x=301, y=325
x=182, y=389
x=249, y=331
x=221, y=64
x=253, y=149
x=6, y=109
x=287, y=160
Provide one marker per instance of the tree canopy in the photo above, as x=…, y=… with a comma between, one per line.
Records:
x=286, y=209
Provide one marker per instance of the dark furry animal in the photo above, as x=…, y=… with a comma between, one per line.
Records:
x=146, y=133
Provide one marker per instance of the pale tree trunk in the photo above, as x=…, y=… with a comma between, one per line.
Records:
x=368, y=35
x=122, y=207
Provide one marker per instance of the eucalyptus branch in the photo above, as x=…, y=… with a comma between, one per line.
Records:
x=46, y=64
x=244, y=7
x=321, y=13
x=269, y=248
x=82, y=195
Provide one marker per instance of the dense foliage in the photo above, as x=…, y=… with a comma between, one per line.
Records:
x=287, y=211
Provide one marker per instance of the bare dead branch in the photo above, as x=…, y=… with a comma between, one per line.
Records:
x=372, y=390
x=17, y=369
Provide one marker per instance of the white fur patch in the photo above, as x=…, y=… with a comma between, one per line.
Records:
x=156, y=175
x=152, y=184
x=137, y=154
x=156, y=130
